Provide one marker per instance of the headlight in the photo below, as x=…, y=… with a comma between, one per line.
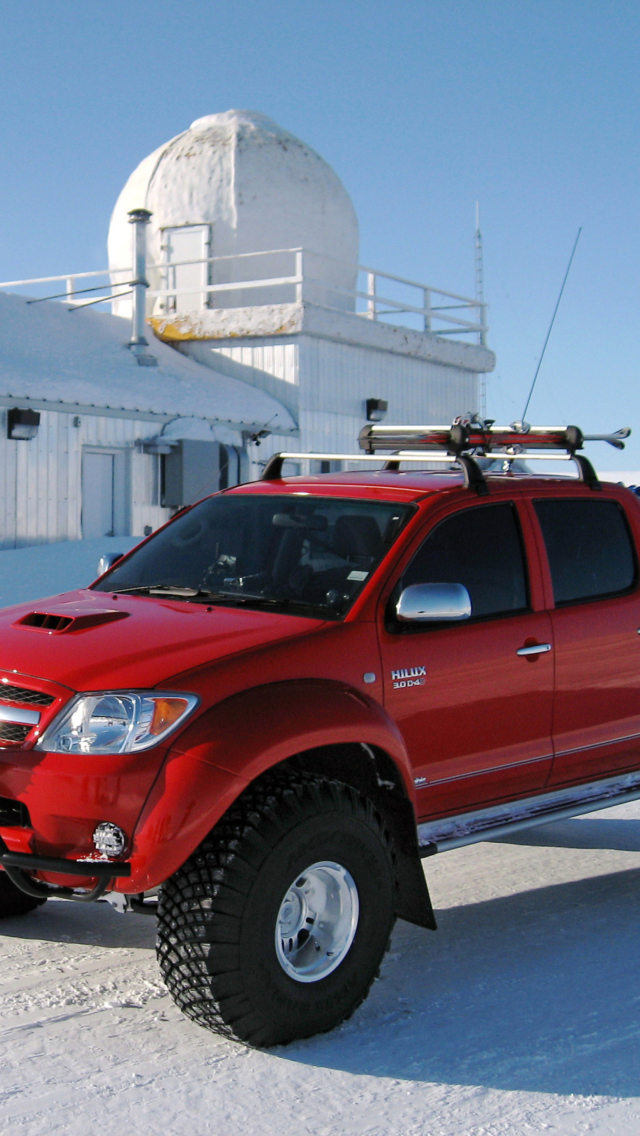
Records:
x=116, y=722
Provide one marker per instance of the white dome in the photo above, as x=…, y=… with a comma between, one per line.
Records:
x=257, y=187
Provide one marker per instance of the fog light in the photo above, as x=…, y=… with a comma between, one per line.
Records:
x=109, y=839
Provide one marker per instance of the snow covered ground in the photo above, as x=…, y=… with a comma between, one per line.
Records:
x=520, y=1015
x=47, y=569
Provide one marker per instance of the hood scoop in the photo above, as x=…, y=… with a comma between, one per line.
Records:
x=65, y=618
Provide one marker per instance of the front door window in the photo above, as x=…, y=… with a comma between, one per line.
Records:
x=482, y=549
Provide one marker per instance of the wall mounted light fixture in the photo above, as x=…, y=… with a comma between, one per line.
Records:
x=22, y=425
x=376, y=409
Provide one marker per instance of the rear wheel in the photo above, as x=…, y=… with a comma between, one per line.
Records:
x=276, y=926
x=13, y=901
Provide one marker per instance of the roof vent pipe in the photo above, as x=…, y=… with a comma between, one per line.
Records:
x=139, y=218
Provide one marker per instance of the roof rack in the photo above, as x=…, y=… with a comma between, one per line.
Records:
x=467, y=439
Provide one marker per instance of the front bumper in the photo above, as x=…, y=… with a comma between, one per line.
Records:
x=166, y=803
x=21, y=866
x=93, y=869
x=59, y=801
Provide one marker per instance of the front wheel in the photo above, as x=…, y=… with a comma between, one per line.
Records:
x=275, y=927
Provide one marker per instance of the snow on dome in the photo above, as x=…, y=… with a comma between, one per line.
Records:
x=256, y=186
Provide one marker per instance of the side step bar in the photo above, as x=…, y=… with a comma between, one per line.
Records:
x=501, y=820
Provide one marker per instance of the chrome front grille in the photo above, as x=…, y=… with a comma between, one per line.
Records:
x=11, y=732
x=24, y=709
x=22, y=694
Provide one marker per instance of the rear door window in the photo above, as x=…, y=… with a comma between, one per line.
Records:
x=482, y=549
x=589, y=548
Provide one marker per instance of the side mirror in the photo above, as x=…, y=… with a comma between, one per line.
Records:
x=425, y=603
x=107, y=561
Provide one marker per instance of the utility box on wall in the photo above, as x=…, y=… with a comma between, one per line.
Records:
x=194, y=469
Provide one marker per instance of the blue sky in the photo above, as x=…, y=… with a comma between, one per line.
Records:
x=530, y=106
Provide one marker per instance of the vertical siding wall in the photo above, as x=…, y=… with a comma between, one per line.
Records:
x=41, y=480
x=333, y=381
x=337, y=378
x=276, y=358
x=270, y=365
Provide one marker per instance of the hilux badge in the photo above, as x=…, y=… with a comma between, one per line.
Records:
x=408, y=676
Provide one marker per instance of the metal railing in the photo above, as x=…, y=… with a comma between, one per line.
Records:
x=320, y=280
x=71, y=291
x=430, y=313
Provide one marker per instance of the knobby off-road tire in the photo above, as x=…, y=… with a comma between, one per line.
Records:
x=13, y=901
x=229, y=947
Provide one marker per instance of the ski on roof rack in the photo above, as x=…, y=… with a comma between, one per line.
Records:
x=472, y=435
x=461, y=443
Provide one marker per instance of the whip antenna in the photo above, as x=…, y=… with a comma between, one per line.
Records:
x=555, y=312
x=482, y=378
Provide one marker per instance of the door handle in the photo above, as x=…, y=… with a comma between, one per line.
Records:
x=536, y=649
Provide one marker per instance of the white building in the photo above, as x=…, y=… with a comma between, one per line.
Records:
x=94, y=463
x=260, y=319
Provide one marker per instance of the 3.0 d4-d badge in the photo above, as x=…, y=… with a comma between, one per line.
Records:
x=408, y=676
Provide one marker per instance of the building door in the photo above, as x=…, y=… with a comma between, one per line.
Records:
x=186, y=243
x=103, y=493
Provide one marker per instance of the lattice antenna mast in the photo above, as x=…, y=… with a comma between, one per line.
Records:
x=479, y=263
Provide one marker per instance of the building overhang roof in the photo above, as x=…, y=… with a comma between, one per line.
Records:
x=77, y=360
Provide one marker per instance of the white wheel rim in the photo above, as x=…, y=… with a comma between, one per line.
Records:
x=317, y=921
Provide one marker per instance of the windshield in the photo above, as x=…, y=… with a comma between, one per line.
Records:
x=306, y=553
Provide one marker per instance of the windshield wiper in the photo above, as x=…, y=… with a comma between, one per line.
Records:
x=240, y=600
x=186, y=592
x=237, y=599
x=183, y=592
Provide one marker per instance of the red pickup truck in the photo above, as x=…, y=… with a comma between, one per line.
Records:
x=258, y=722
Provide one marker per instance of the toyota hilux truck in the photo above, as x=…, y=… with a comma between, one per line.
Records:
x=258, y=723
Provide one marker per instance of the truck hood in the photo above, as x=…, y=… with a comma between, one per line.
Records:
x=90, y=641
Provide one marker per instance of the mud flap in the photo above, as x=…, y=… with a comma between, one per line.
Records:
x=413, y=902
x=413, y=899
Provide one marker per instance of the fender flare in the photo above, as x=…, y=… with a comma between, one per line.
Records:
x=232, y=744
x=252, y=731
